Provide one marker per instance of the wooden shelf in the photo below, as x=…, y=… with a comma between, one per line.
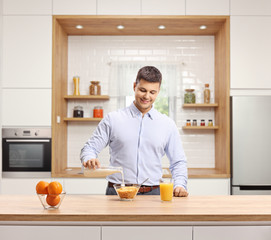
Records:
x=199, y=127
x=82, y=119
x=87, y=97
x=199, y=105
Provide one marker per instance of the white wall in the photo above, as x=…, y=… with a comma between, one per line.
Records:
x=97, y=57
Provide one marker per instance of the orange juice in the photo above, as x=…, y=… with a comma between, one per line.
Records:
x=166, y=191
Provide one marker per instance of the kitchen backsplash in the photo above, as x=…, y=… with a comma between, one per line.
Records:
x=93, y=57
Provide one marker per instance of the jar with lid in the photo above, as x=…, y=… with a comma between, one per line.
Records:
x=194, y=122
x=98, y=112
x=188, y=122
x=202, y=122
x=189, y=96
x=95, y=88
x=210, y=123
x=78, y=112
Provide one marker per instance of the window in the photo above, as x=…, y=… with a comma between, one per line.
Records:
x=126, y=73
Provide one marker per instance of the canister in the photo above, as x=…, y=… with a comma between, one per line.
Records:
x=78, y=112
x=98, y=112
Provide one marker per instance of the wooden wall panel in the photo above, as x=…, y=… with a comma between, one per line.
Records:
x=59, y=105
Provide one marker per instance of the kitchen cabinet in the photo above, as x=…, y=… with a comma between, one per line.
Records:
x=146, y=232
x=208, y=187
x=207, y=7
x=26, y=107
x=119, y=7
x=250, y=52
x=72, y=7
x=20, y=186
x=250, y=7
x=27, y=7
x=27, y=52
x=161, y=7
x=50, y=232
x=232, y=232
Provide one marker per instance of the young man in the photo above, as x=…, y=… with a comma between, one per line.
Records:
x=138, y=137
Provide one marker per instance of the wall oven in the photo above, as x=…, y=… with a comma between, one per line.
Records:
x=26, y=152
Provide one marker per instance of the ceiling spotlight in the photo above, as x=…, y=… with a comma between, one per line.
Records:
x=161, y=27
x=202, y=27
x=79, y=27
x=120, y=27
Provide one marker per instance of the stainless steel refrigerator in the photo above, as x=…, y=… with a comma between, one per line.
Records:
x=251, y=145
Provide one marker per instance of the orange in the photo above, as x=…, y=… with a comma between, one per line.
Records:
x=54, y=188
x=52, y=200
x=42, y=187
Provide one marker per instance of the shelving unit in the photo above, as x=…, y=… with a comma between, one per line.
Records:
x=86, y=97
x=200, y=105
x=82, y=119
x=200, y=127
x=218, y=26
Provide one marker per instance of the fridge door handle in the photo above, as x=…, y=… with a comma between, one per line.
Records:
x=251, y=188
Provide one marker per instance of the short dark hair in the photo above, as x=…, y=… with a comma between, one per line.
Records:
x=149, y=74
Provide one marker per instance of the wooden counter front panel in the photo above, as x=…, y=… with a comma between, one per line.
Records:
x=98, y=208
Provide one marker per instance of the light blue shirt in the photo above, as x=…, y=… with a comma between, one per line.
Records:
x=137, y=144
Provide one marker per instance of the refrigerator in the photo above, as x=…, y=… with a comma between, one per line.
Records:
x=251, y=145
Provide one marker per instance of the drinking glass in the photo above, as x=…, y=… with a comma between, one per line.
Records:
x=166, y=189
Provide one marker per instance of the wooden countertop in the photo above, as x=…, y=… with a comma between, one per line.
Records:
x=144, y=208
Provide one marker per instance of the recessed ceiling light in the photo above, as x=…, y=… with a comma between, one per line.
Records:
x=202, y=27
x=79, y=27
x=161, y=27
x=120, y=27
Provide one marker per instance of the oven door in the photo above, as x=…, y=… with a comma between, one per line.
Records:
x=26, y=155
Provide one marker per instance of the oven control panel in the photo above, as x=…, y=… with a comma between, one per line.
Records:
x=26, y=133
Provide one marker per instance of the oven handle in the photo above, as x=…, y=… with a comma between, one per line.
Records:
x=27, y=140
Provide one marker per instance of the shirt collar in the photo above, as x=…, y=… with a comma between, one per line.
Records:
x=135, y=112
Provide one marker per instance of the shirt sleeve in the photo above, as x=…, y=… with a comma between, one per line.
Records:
x=97, y=142
x=177, y=159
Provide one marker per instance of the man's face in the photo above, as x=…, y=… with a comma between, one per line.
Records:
x=145, y=94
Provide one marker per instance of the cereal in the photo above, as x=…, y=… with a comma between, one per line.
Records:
x=127, y=192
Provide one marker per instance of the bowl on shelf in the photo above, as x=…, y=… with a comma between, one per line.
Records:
x=51, y=201
x=127, y=192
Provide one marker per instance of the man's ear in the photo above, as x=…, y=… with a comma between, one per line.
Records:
x=134, y=85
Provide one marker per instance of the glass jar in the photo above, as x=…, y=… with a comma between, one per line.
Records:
x=194, y=122
x=95, y=88
x=210, y=123
x=189, y=96
x=188, y=122
x=98, y=112
x=202, y=122
x=78, y=112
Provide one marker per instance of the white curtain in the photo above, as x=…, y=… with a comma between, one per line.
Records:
x=123, y=75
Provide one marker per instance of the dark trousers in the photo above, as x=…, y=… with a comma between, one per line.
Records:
x=112, y=191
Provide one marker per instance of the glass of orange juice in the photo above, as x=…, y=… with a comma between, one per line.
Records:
x=166, y=189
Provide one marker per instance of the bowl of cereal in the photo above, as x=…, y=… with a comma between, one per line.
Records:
x=127, y=192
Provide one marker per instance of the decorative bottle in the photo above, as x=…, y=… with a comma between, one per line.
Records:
x=206, y=93
x=76, y=80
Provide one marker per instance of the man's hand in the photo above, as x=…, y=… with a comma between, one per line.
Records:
x=92, y=163
x=180, y=192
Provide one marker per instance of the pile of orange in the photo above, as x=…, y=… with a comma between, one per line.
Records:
x=52, y=189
